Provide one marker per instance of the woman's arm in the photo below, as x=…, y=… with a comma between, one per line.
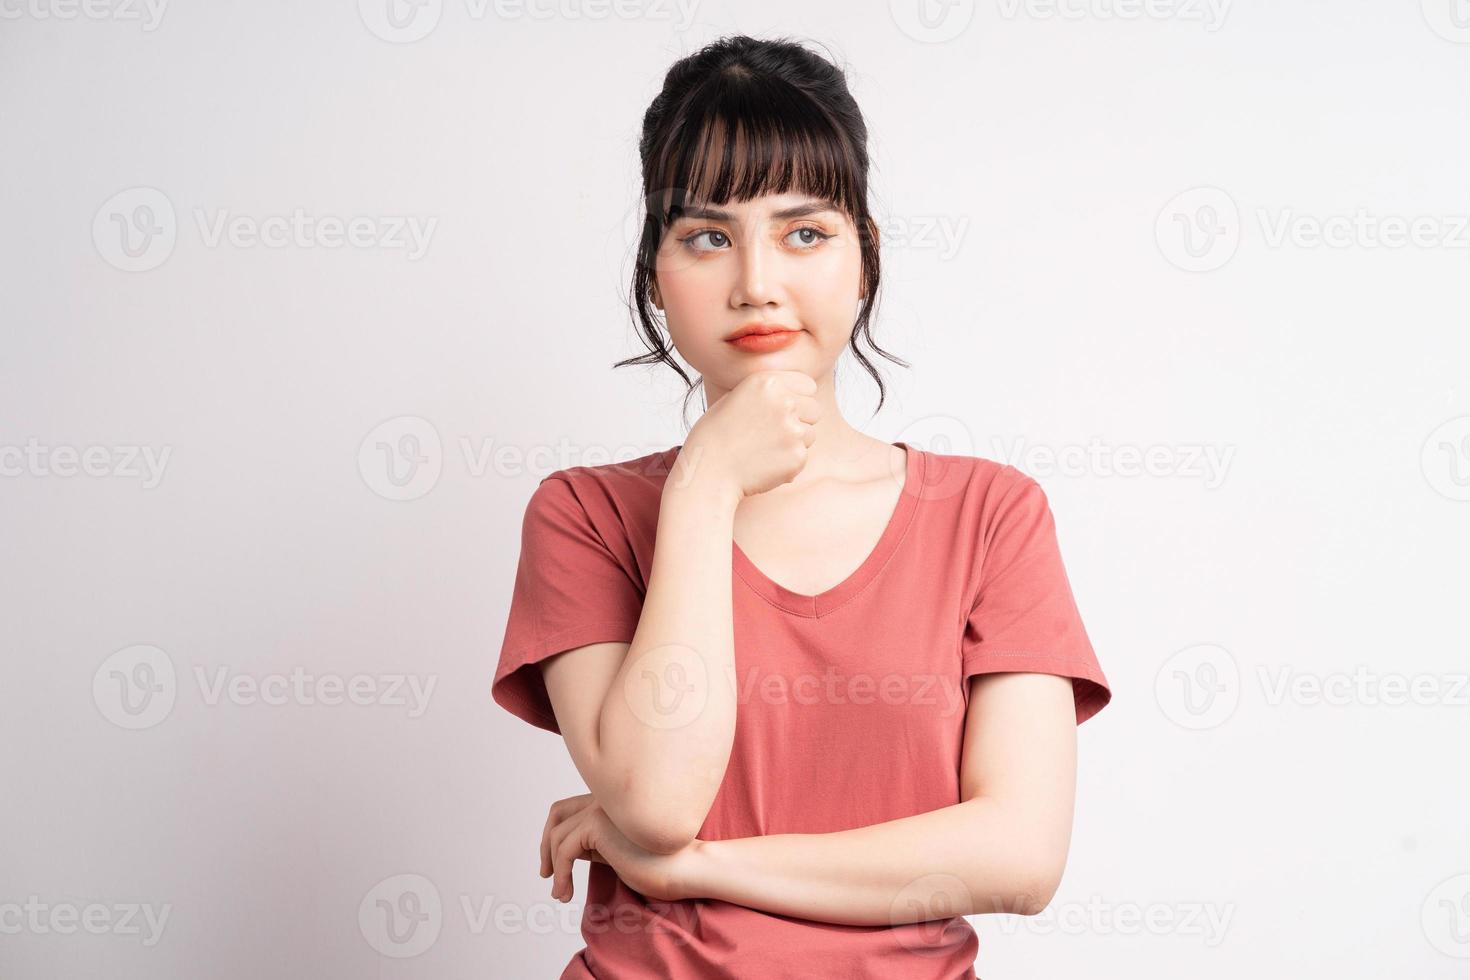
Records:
x=650, y=724
x=1002, y=849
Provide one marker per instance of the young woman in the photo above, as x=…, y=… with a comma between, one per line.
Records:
x=823, y=689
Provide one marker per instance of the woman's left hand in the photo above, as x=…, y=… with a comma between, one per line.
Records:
x=577, y=827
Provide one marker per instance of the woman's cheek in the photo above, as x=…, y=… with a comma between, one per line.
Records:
x=828, y=301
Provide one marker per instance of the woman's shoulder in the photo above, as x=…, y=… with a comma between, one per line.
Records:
x=973, y=478
x=621, y=491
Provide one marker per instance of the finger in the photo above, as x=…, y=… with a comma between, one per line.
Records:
x=567, y=849
x=557, y=874
x=808, y=409
x=552, y=819
x=554, y=846
x=566, y=856
x=560, y=811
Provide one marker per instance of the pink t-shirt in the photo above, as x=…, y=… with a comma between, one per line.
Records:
x=851, y=703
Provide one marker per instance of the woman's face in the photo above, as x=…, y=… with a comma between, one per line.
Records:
x=783, y=261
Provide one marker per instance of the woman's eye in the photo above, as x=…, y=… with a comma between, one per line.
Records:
x=716, y=234
x=815, y=237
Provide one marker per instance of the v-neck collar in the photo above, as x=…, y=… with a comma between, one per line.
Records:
x=801, y=604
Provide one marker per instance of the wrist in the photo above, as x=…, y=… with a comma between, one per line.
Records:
x=697, y=474
x=693, y=877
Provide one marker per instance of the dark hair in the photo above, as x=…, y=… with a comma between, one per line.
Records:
x=788, y=113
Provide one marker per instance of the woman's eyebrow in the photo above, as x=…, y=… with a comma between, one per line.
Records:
x=795, y=211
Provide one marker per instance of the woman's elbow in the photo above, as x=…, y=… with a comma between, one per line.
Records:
x=1039, y=881
x=1023, y=883
x=664, y=841
x=1034, y=895
x=661, y=837
x=655, y=829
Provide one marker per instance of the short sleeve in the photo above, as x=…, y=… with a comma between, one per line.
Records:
x=570, y=590
x=1024, y=617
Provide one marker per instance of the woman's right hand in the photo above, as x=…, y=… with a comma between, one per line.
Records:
x=756, y=435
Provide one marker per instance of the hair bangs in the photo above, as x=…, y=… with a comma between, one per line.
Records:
x=753, y=137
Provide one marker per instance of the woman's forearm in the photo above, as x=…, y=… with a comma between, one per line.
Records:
x=668, y=721
x=957, y=860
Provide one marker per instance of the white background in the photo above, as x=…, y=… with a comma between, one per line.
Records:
x=1172, y=231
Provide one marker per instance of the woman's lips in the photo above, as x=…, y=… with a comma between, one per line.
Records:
x=760, y=343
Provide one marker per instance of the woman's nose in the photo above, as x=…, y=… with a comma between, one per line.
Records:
x=755, y=278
